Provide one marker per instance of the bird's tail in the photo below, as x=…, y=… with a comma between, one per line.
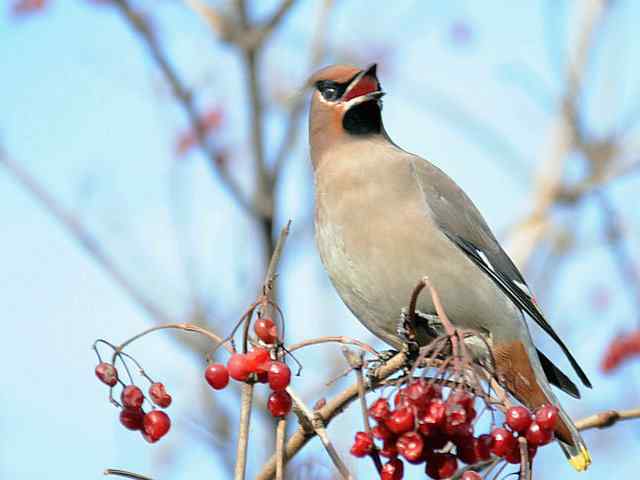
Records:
x=519, y=368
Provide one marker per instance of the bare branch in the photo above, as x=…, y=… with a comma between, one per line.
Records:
x=607, y=419
x=246, y=401
x=185, y=99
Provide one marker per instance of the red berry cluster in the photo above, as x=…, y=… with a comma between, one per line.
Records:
x=424, y=427
x=257, y=366
x=621, y=349
x=154, y=424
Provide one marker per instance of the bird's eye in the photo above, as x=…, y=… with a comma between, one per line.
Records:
x=330, y=93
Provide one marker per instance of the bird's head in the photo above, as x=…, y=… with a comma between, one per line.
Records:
x=346, y=102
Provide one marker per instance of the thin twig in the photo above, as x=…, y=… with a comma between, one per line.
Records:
x=607, y=418
x=187, y=327
x=318, y=424
x=281, y=433
x=356, y=362
x=333, y=339
x=525, y=468
x=185, y=99
x=246, y=401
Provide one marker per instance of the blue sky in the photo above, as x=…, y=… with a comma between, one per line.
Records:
x=85, y=110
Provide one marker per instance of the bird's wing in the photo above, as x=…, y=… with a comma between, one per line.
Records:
x=462, y=223
x=557, y=377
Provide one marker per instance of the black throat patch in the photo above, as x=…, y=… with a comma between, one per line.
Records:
x=363, y=119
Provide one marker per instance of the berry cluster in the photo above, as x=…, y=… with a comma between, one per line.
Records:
x=257, y=366
x=154, y=424
x=424, y=427
x=620, y=350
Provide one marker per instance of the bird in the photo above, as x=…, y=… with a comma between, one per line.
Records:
x=386, y=218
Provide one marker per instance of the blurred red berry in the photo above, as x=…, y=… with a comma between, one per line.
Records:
x=502, y=441
x=209, y=122
x=381, y=432
x=266, y=330
x=279, y=375
x=455, y=421
x=538, y=436
x=159, y=395
x=23, y=7
x=436, y=413
x=380, y=409
x=132, y=418
x=482, y=446
x=279, y=403
x=621, y=349
x=156, y=424
x=518, y=418
x=441, y=465
x=257, y=360
x=547, y=416
x=132, y=397
x=401, y=421
x=107, y=373
x=411, y=446
x=217, y=376
x=362, y=445
x=437, y=441
x=392, y=470
x=471, y=475
x=238, y=367
x=462, y=398
x=389, y=448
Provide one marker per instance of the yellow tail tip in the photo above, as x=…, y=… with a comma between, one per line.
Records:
x=582, y=460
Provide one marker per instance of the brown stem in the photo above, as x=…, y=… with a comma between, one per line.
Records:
x=281, y=433
x=246, y=401
x=187, y=327
x=356, y=362
x=525, y=468
x=333, y=339
x=607, y=418
x=317, y=423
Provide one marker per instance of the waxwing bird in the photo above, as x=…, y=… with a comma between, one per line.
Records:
x=386, y=218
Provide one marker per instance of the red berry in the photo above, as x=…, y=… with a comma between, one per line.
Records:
x=392, y=470
x=380, y=409
x=436, y=413
x=279, y=375
x=502, y=441
x=437, y=441
x=266, y=330
x=411, y=446
x=537, y=436
x=238, y=367
x=471, y=475
x=547, y=416
x=401, y=399
x=389, y=449
x=132, y=397
x=455, y=419
x=262, y=377
x=257, y=360
x=132, y=418
x=159, y=395
x=156, y=424
x=362, y=445
x=418, y=393
x=279, y=403
x=518, y=418
x=107, y=373
x=482, y=446
x=217, y=376
x=381, y=432
x=401, y=421
x=441, y=465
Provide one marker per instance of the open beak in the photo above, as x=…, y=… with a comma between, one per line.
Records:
x=364, y=86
